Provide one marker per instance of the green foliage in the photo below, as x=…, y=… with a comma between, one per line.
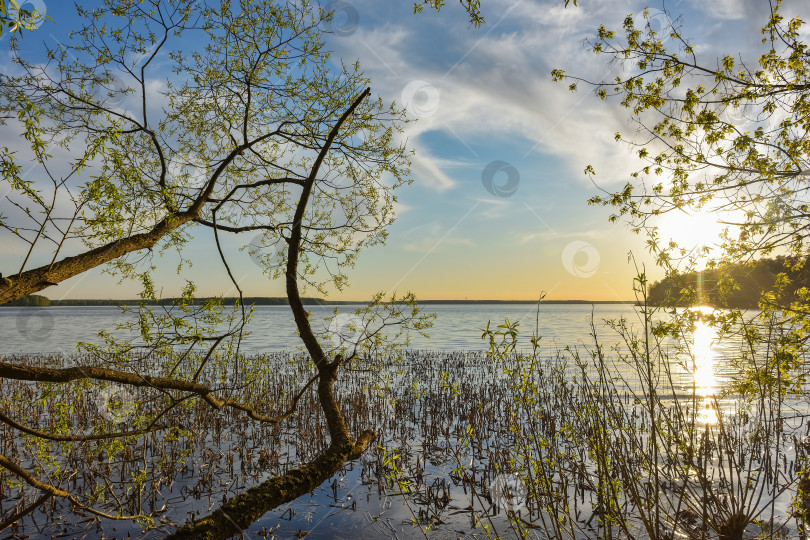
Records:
x=727, y=135
x=244, y=107
x=181, y=117
x=615, y=432
x=15, y=19
x=381, y=328
x=724, y=137
x=472, y=7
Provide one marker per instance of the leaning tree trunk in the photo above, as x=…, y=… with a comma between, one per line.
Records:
x=238, y=513
x=37, y=279
x=31, y=281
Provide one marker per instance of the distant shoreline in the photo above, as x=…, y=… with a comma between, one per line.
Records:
x=41, y=301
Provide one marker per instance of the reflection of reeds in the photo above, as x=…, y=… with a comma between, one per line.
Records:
x=573, y=433
x=208, y=455
x=633, y=456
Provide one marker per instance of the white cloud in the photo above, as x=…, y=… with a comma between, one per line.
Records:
x=432, y=237
x=543, y=236
x=428, y=172
x=724, y=9
x=502, y=89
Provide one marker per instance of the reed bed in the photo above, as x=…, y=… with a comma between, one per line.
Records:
x=469, y=446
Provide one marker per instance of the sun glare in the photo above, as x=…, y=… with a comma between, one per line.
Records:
x=690, y=231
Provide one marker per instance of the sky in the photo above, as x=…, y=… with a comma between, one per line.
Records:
x=498, y=204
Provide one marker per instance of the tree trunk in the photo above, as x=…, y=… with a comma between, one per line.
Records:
x=31, y=281
x=239, y=513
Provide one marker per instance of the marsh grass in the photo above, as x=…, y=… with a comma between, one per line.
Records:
x=588, y=442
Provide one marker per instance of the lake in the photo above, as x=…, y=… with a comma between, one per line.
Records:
x=456, y=328
x=424, y=418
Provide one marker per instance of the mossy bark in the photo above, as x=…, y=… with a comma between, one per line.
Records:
x=31, y=281
x=802, y=502
x=734, y=527
x=238, y=513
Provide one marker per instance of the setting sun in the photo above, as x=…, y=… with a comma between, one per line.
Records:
x=690, y=231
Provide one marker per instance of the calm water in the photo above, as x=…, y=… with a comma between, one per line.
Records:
x=350, y=505
x=456, y=327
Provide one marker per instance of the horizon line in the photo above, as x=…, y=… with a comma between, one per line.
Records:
x=283, y=299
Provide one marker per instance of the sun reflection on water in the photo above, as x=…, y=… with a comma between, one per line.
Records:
x=704, y=338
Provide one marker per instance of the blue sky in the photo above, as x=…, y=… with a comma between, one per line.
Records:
x=484, y=101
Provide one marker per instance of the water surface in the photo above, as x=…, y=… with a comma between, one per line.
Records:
x=456, y=327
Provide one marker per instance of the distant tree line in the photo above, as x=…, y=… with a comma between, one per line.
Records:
x=32, y=300
x=35, y=300
x=739, y=285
